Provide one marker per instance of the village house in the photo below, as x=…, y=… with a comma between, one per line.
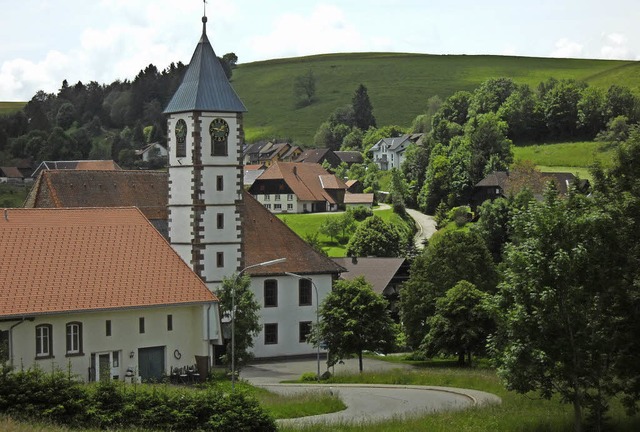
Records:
x=152, y=151
x=298, y=188
x=99, y=291
x=266, y=153
x=389, y=152
x=319, y=156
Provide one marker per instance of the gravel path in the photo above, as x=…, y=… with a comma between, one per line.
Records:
x=426, y=227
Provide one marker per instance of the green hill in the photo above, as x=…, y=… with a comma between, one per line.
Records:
x=399, y=85
x=10, y=107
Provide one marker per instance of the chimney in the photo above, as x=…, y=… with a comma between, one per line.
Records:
x=6, y=214
x=295, y=171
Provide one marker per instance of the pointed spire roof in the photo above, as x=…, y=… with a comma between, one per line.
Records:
x=205, y=86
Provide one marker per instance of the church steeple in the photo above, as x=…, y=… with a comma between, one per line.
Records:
x=205, y=86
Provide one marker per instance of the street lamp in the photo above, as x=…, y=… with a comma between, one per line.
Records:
x=297, y=276
x=233, y=314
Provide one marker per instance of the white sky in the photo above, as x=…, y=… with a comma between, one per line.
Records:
x=43, y=42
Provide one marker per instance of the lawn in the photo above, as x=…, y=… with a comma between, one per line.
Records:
x=570, y=154
x=12, y=196
x=10, y=107
x=516, y=413
x=306, y=224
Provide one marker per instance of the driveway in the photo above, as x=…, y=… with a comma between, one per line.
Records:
x=365, y=402
x=426, y=227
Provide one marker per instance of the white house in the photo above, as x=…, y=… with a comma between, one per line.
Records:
x=99, y=291
x=150, y=151
x=389, y=152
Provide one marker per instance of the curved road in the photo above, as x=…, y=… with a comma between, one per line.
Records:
x=425, y=224
x=365, y=402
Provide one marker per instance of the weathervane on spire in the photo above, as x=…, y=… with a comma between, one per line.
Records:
x=204, y=17
x=205, y=7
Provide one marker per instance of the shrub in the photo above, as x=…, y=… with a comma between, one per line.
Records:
x=308, y=377
x=360, y=213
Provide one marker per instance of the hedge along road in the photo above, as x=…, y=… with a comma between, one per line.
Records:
x=365, y=402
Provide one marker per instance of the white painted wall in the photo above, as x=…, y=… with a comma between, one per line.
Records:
x=188, y=337
x=288, y=314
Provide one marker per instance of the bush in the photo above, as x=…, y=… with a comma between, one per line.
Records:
x=360, y=213
x=59, y=398
x=308, y=377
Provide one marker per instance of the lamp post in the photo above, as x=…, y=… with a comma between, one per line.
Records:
x=233, y=314
x=297, y=276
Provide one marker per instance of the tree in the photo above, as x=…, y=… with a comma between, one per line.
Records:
x=490, y=95
x=460, y=325
x=591, y=111
x=353, y=319
x=331, y=226
x=487, y=141
x=563, y=302
x=66, y=115
x=247, y=322
x=374, y=237
x=231, y=59
x=414, y=168
x=560, y=107
x=619, y=101
x=362, y=109
x=519, y=111
x=304, y=88
x=456, y=256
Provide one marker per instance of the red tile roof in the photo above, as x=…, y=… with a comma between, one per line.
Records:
x=356, y=198
x=61, y=260
x=268, y=238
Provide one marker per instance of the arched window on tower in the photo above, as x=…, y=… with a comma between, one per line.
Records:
x=181, y=138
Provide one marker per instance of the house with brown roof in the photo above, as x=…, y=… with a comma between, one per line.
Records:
x=10, y=175
x=65, y=188
x=319, y=156
x=385, y=275
x=77, y=293
x=298, y=188
x=350, y=157
x=270, y=152
x=354, y=200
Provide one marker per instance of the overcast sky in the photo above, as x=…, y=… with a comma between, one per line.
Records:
x=43, y=42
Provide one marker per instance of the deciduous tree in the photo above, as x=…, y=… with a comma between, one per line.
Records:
x=354, y=319
x=374, y=237
x=304, y=88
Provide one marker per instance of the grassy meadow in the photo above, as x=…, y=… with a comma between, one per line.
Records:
x=399, y=85
x=10, y=107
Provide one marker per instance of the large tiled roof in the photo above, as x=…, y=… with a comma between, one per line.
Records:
x=304, y=179
x=99, y=165
x=147, y=190
x=358, y=198
x=350, y=156
x=494, y=179
x=377, y=271
x=268, y=238
x=61, y=260
x=313, y=155
x=205, y=86
x=10, y=172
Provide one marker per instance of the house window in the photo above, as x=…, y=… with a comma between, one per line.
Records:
x=267, y=197
x=220, y=148
x=220, y=259
x=268, y=206
x=270, y=293
x=497, y=191
x=44, y=340
x=169, y=322
x=271, y=334
x=74, y=338
x=141, y=325
x=289, y=197
x=304, y=292
x=219, y=183
x=289, y=206
x=107, y=328
x=277, y=197
x=277, y=206
x=220, y=220
x=305, y=329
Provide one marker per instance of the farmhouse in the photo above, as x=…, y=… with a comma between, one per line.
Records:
x=389, y=152
x=100, y=291
x=298, y=188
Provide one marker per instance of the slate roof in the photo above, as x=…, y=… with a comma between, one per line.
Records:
x=90, y=259
x=377, y=271
x=313, y=155
x=304, y=179
x=268, y=238
x=350, y=157
x=494, y=179
x=205, y=86
x=393, y=144
x=147, y=190
x=563, y=180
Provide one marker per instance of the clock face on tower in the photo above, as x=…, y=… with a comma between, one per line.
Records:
x=181, y=131
x=219, y=130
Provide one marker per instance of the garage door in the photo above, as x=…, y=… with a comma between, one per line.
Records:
x=151, y=363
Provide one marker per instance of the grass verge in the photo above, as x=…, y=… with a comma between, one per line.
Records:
x=517, y=412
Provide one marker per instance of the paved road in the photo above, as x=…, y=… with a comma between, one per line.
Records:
x=365, y=403
x=426, y=227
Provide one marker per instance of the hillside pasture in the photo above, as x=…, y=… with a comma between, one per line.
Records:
x=10, y=107
x=398, y=84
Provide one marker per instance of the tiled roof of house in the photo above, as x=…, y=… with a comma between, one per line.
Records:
x=313, y=155
x=350, y=156
x=494, y=179
x=268, y=238
x=147, y=190
x=100, y=165
x=10, y=172
x=205, y=86
x=304, y=179
x=60, y=260
x=563, y=180
x=377, y=271
x=357, y=198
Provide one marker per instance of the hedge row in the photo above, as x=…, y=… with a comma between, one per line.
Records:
x=58, y=398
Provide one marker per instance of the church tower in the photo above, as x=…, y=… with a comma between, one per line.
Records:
x=205, y=140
